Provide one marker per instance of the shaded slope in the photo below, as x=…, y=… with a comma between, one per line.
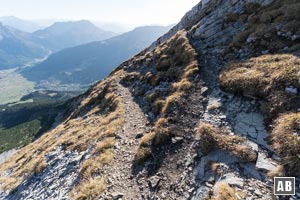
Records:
x=90, y=62
x=16, y=48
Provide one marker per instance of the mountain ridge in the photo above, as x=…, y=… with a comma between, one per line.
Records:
x=62, y=35
x=19, y=48
x=93, y=61
x=16, y=48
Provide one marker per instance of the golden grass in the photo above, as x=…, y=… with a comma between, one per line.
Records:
x=224, y=192
x=262, y=21
x=172, y=102
x=285, y=139
x=276, y=172
x=175, y=62
x=95, y=121
x=264, y=77
x=214, y=106
x=214, y=138
x=183, y=85
x=257, y=76
x=144, y=150
x=90, y=189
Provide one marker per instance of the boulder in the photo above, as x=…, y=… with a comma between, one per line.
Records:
x=265, y=164
x=232, y=180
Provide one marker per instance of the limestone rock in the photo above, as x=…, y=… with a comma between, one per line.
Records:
x=117, y=196
x=233, y=180
x=264, y=163
x=215, y=156
x=154, y=181
x=291, y=90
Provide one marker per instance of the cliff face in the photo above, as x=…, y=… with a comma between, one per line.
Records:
x=160, y=126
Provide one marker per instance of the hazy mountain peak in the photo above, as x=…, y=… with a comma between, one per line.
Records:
x=23, y=25
x=62, y=35
x=16, y=48
x=94, y=60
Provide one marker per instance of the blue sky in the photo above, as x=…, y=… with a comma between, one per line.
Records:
x=122, y=11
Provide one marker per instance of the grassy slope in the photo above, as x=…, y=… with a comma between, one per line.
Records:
x=267, y=77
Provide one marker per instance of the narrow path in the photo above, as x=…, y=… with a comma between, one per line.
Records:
x=120, y=180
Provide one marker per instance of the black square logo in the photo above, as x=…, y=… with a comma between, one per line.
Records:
x=284, y=186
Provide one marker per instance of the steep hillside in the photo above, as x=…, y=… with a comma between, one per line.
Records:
x=208, y=111
x=62, y=35
x=88, y=63
x=16, y=48
x=22, y=123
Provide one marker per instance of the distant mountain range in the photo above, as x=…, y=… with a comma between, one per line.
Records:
x=68, y=34
x=82, y=52
x=87, y=63
x=23, y=25
x=18, y=47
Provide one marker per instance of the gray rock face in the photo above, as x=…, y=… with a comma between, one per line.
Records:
x=251, y=170
x=5, y=155
x=214, y=156
x=204, y=2
x=154, y=181
x=55, y=182
x=207, y=12
x=232, y=180
x=251, y=125
x=264, y=163
x=291, y=90
x=201, y=193
x=210, y=37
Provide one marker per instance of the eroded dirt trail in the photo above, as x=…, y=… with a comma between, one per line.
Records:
x=121, y=183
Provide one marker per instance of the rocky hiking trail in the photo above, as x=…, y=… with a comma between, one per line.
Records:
x=119, y=172
x=239, y=115
x=167, y=175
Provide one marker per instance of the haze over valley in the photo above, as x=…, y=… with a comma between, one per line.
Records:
x=64, y=56
x=44, y=63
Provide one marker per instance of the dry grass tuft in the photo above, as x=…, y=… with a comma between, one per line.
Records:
x=214, y=106
x=231, y=17
x=144, y=150
x=285, y=139
x=175, y=63
x=90, y=189
x=212, y=138
x=224, y=192
x=262, y=24
x=265, y=77
x=94, y=122
x=276, y=172
x=171, y=103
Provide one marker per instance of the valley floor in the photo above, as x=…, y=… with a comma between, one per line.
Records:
x=13, y=86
